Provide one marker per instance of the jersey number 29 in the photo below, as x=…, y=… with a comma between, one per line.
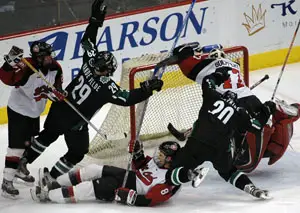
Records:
x=224, y=113
x=84, y=90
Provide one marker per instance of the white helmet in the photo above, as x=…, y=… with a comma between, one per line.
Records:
x=216, y=54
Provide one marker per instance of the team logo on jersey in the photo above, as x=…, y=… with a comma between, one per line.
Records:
x=58, y=42
x=104, y=79
x=256, y=22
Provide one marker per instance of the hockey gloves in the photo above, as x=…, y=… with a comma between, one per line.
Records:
x=98, y=13
x=185, y=51
x=138, y=150
x=221, y=75
x=14, y=56
x=57, y=95
x=125, y=196
x=150, y=85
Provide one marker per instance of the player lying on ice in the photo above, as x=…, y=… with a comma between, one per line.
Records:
x=145, y=186
x=197, y=62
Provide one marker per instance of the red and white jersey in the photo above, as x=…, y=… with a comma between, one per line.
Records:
x=28, y=96
x=235, y=83
x=197, y=68
x=148, y=176
x=151, y=185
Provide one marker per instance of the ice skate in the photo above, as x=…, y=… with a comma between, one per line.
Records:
x=256, y=192
x=8, y=190
x=46, y=180
x=198, y=175
x=39, y=194
x=21, y=178
x=23, y=166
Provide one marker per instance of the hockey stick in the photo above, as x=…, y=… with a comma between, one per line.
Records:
x=42, y=76
x=182, y=135
x=286, y=59
x=156, y=71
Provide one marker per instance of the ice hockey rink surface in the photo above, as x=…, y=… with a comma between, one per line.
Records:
x=214, y=194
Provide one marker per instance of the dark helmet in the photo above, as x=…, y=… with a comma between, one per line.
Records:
x=40, y=49
x=105, y=61
x=168, y=149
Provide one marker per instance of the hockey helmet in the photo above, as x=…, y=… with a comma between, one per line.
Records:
x=40, y=50
x=105, y=61
x=165, y=152
x=217, y=53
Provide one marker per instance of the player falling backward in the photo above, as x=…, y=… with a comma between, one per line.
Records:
x=88, y=92
x=195, y=64
x=146, y=184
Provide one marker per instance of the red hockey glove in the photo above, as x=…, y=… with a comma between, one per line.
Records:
x=55, y=95
x=125, y=196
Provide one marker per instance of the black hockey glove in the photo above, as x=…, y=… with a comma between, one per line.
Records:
x=150, y=85
x=125, y=196
x=98, y=13
x=221, y=75
x=14, y=56
x=138, y=150
x=269, y=107
x=185, y=50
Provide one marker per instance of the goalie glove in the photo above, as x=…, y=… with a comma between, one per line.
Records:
x=14, y=56
x=185, y=51
x=98, y=13
x=125, y=196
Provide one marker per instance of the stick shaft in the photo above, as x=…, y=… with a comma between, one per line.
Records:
x=286, y=59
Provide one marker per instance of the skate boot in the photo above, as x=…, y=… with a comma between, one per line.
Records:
x=40, y=194
x=46, y=180
x=256, y=192
x=8, y=189
x=198, y=175
x=23, y=166
x=27, y=180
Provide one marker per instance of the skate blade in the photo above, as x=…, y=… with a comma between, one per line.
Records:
x=203, y=173
x=9, y=196
x=266, y=196
x=33, y=195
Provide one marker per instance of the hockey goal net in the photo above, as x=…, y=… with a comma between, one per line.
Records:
x=178, y=102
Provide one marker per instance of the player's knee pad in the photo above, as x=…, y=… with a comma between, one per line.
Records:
x=105, y=187
x=281, y=137
x=257, y=145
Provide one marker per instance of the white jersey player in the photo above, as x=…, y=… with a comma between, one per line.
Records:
x=145, y=186
x=26, y=102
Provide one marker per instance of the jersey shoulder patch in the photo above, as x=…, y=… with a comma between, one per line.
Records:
x=104, y=79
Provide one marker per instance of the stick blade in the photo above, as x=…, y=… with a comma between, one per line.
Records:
x=178, y=135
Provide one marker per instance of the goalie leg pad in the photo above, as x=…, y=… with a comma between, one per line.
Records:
x=282, y=135
x=257, y=146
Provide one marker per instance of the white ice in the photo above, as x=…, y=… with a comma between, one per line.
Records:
x=214, y=195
